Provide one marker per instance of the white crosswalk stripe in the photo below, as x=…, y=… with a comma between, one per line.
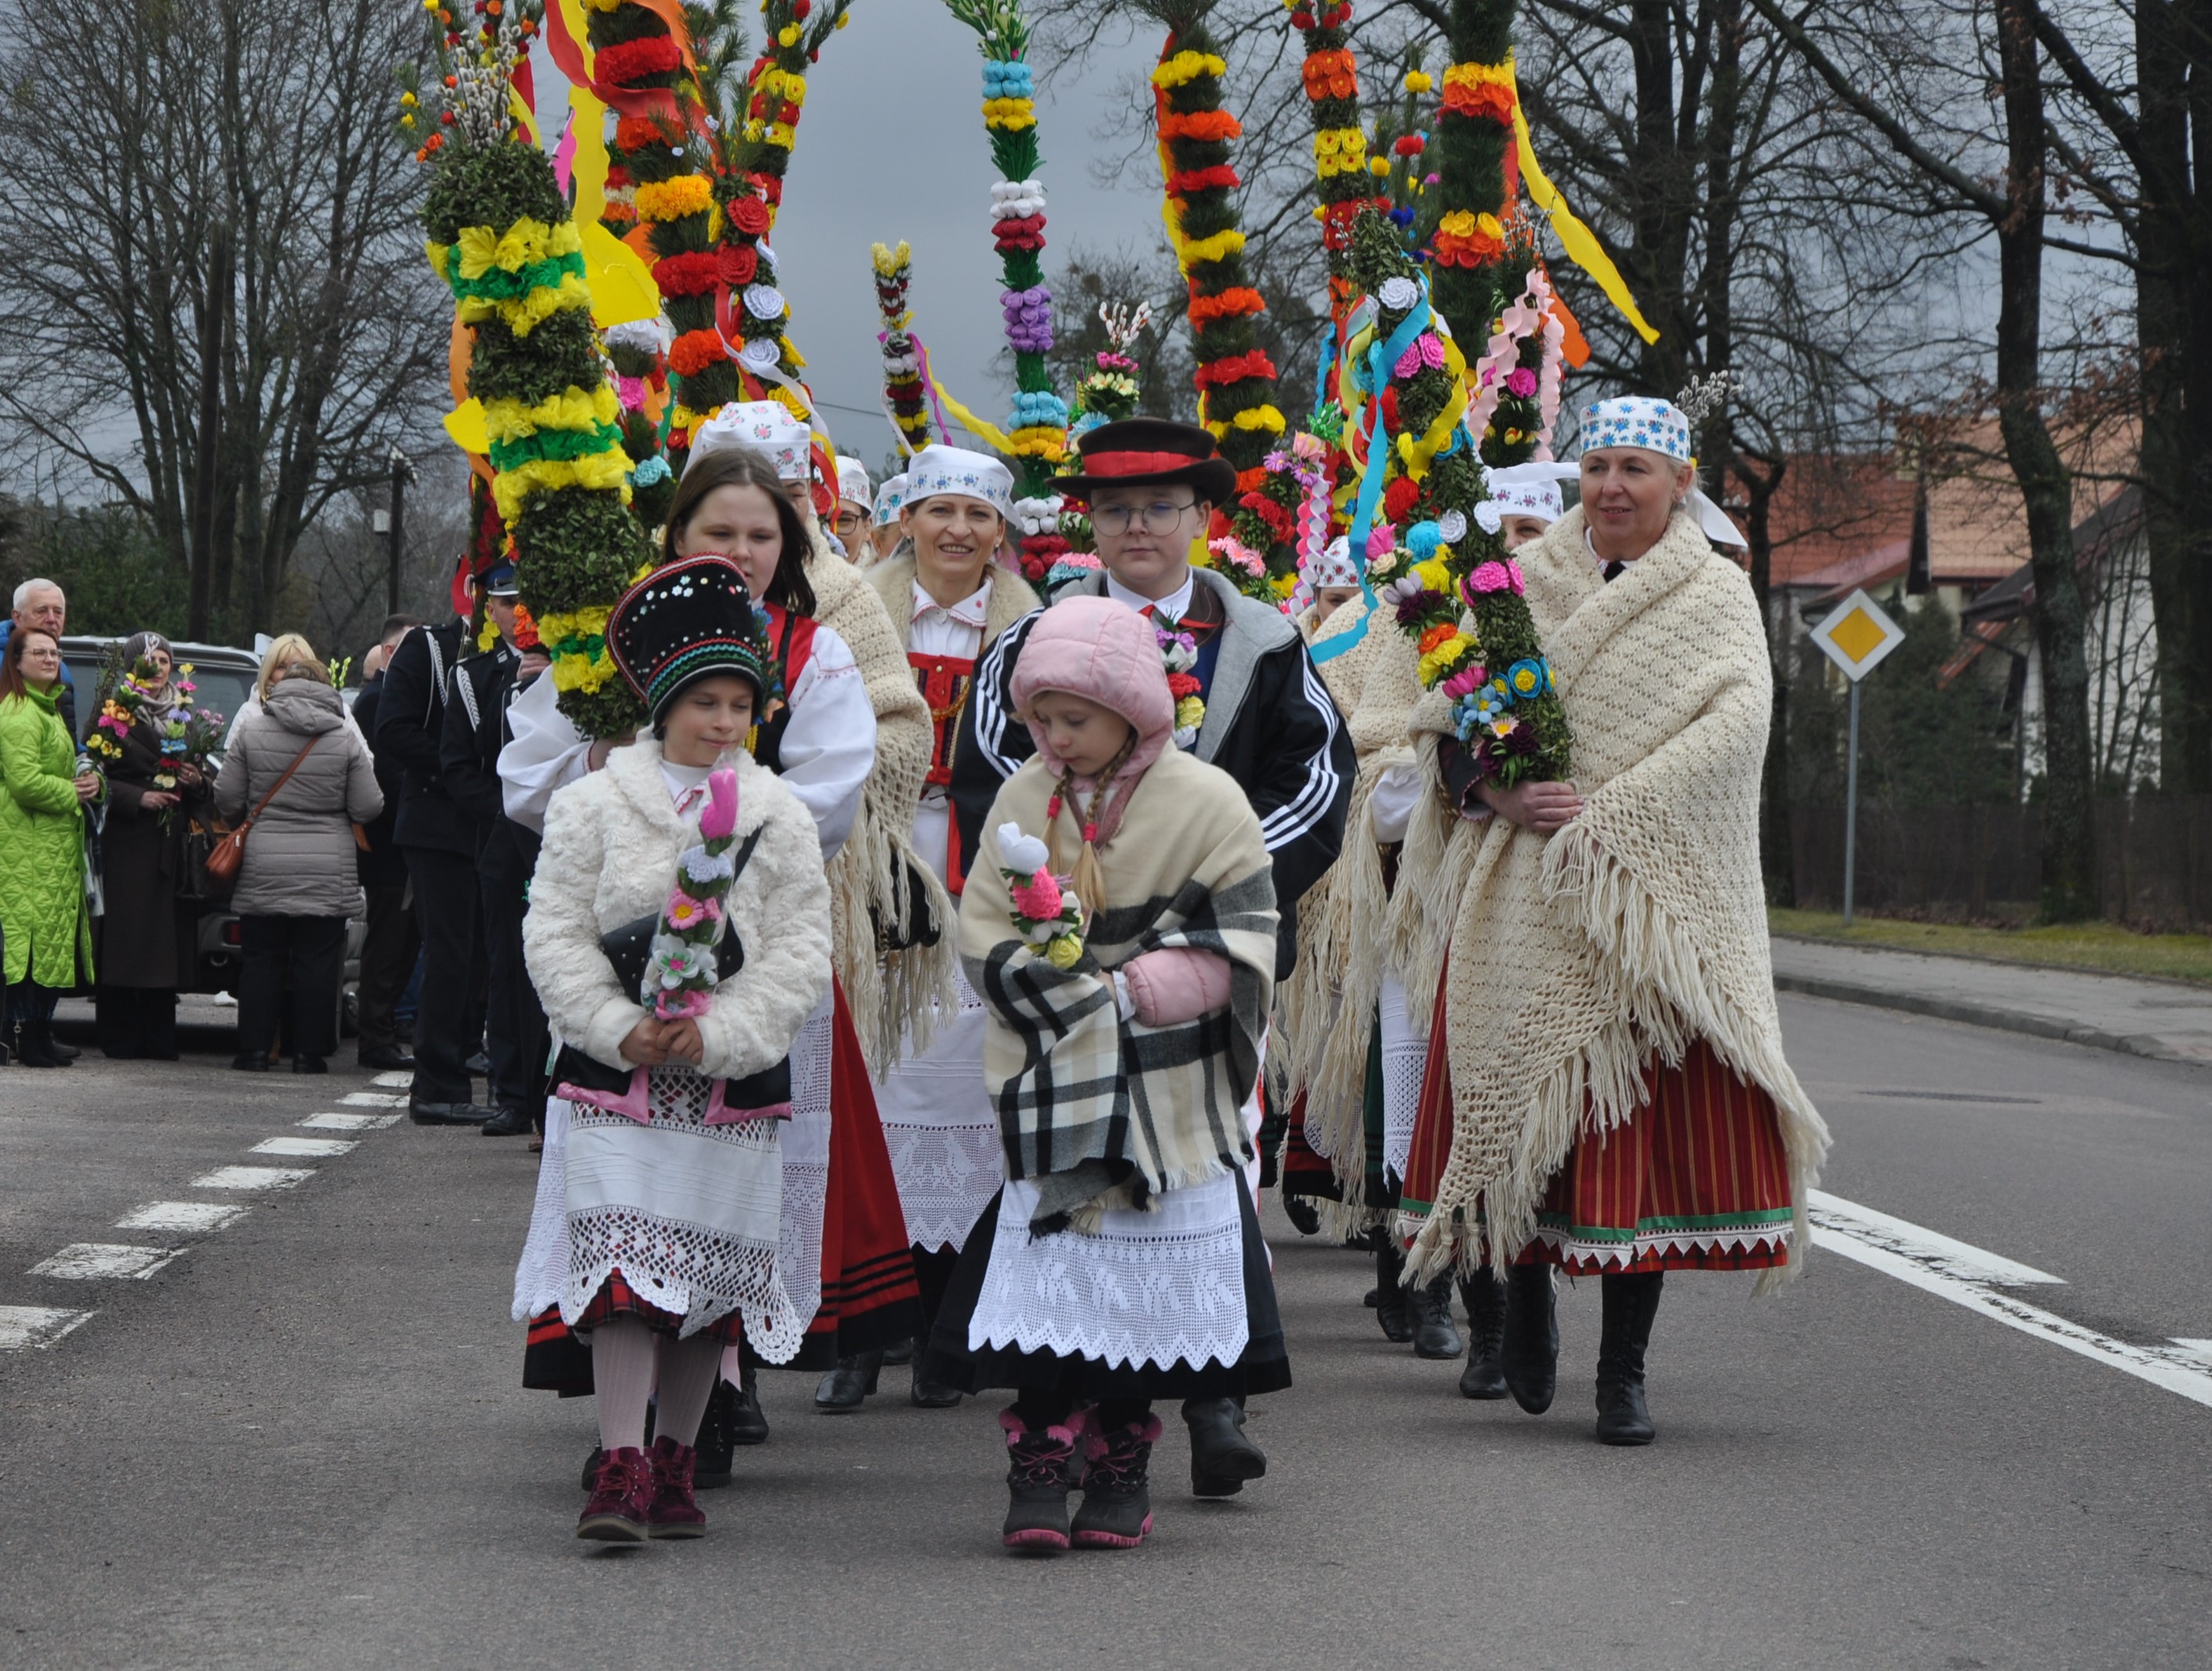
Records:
x=87, y=1261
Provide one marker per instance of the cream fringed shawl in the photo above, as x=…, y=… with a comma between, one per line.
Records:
x=1344, y=948
x=1642, y=925
x=889, y=994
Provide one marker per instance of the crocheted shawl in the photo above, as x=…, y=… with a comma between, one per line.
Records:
x=888, y=993
x=1099, y=1111
x=1642, y=925
x=1345, y=946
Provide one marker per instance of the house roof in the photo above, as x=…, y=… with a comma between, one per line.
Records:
x=1843, y=520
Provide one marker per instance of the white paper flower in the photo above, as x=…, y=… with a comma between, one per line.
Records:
x=764, y=302
x=1488, y=515
x=760, y=354
x=1025, y=855
x=1452, y=524
x=1398, y=294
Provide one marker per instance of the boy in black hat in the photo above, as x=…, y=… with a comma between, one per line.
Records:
x=1268, y=721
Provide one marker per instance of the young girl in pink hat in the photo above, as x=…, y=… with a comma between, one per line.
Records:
x=1119, y=923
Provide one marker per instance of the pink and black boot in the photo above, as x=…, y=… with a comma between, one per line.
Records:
x=1037, y=1482
x=619, y=1510
x=672, y=1513
x=1118, y=1498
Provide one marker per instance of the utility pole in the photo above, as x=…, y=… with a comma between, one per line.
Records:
x=403, y=472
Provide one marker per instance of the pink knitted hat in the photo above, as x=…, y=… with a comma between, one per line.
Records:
x=1105, y=652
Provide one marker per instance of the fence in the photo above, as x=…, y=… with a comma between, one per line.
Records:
x=2154, y=859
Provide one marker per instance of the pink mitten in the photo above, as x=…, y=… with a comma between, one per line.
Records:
x=1176, y=985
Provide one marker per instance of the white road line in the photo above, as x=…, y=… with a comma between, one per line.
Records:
x=1925, y=1260
x=349, y=1122
x=2197, y=1353
x=373, y=1099
x=254, y=1177
x=397, y=1081
x=1925, y=1246
x=24, y=1326
x=180, y=1216
x=304, y=1148
x=89, y=1261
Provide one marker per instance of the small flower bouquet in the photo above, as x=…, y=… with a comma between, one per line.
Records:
x=1046, y=913
x=1179, y=654
x=680, y=974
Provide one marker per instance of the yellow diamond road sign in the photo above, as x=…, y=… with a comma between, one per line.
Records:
x=1856, y=635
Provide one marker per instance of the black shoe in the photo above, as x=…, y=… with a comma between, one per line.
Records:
x=932, y=1394
x=1221, y=1458
x=35, y=1047
x=1372, y=1298
x=592, y=1466
x=1529, y=1358
x=1118, y=1498
x=67, y=1053
x=479, y=1065
x=1484, y=1299
x=508, y=1123
x=711, y=1470
x=844, y=1389
x=1630, y=1304
x=748, y=1421
x=384, y=1056
x=251, y=1061
x=900, y=1353
x=310, y=1065
x=446, y=1114
x=1434, y=1334
x=1302, y=1213
x=1391, y=1310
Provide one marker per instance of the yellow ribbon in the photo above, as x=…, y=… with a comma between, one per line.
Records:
x=981, y=427
x=1580, y=243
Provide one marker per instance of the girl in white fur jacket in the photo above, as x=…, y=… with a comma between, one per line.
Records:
x=674, y=1179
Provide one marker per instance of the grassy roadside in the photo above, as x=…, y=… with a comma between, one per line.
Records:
x=2095, y=945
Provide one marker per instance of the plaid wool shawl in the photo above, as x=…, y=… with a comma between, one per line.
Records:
x=1097, y=1111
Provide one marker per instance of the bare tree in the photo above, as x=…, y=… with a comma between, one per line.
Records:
x=1978, y=150
x=213, y=303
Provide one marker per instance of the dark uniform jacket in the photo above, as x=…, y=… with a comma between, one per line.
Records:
x=410, y=722
x=476, y=730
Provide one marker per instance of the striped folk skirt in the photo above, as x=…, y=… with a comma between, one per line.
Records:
x=1695, y=1180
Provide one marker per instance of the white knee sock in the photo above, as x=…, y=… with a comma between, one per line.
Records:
x=622, y=1362
x=733, y=1370
x=689, y=1370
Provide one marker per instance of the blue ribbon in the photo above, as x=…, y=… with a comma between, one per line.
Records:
x=1381, y=356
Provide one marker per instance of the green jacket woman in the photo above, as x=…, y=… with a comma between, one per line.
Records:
x=42, y=899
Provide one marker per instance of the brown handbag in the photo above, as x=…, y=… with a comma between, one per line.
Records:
x=228, y=854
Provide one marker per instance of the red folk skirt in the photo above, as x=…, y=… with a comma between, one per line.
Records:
x=1695, y=1180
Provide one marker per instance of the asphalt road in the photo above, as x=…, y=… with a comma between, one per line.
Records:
x=302, y=1441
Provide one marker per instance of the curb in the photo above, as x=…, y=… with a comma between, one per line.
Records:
x=1982, y=1015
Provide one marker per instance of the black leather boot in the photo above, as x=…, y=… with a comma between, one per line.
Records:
x=845, y=1388
x=1530, y=1356
x=1391, y=1310
x=1484, y=1296
x=711, y=1467
x=1630, y=1304
x=748, y=1421
x=1221, y=1458
x=1434, y=1333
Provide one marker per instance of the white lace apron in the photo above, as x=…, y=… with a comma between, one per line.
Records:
x=689, y=1213
x=941, y=1130
x=1150, y=1288
x=541, y=1276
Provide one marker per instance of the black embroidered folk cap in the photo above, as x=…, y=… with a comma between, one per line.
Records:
x=689, y=620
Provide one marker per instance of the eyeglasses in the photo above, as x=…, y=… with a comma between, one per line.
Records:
x=845, y=522
x=1114, y=520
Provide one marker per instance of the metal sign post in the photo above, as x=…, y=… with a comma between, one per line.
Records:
x=1857, y=636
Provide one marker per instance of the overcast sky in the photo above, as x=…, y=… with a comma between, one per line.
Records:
x=892, y=146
